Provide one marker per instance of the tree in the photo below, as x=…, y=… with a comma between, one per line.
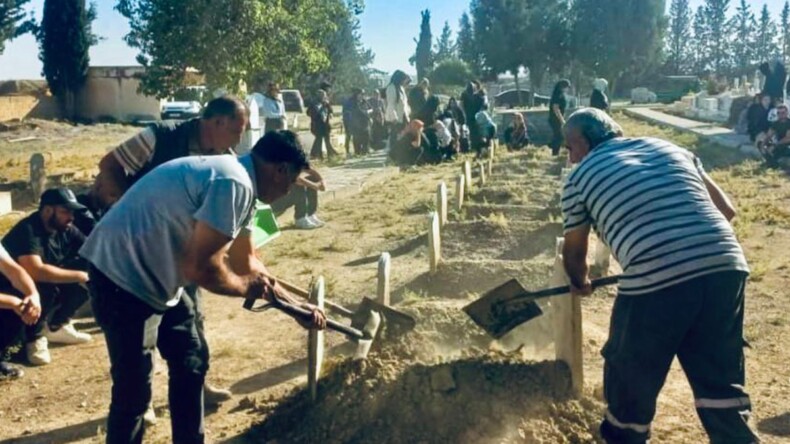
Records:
x=499, y=26
x=765, y=40
x=679, y=36
x=699, y=42
x=784, y=28
x=632, y=44
x=231, y=44
x=717, y=34
x=64, y=40
x=451, y=72
x=445, y=47
x=466, y=44
x=423, y=55
x=13, y=21
x=743, y=26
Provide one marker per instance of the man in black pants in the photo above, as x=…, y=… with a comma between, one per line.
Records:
x=20, y=305
x=220, y=128
x=46, y=244
x=682, y=288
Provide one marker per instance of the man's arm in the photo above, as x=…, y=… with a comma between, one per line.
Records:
x=29, y=307
x=719, y=197
x=556, y=110
x=112, y=179
x=574, y=258
x=41, y=272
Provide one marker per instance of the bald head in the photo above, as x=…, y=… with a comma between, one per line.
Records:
x=226, y=106
x=586, y=129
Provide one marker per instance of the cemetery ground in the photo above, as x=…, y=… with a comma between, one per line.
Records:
x=506, y=229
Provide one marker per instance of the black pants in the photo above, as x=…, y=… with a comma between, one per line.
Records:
x=303, y=199
x=11, y=325
x=59, y=302
x=133, y=330
x=274, y=124
x=349, y=136
x=361, y=142
x=701, y=322
x=557, y=139
x=320, y=138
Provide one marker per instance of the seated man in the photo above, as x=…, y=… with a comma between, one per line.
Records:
x=46, y=245
x=20, y=305
x=777, y=143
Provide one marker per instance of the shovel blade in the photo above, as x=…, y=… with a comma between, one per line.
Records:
x=495, y=322
x=394, y=318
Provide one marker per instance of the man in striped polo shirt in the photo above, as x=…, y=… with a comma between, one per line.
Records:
x=682, y=289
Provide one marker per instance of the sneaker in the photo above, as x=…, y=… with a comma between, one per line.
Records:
x=8, y=372
x=149, y=417
x=38, y=351
x=213, y=396
x=66, y=334
x=316, y=221
x=305, y=224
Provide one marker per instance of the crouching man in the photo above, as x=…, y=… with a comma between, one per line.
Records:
x=20, y=305
x=684, y=275
x=174, y=228
x=46, y=245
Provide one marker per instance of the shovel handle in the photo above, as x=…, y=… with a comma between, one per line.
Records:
x=307, y=315
x=301, y=292
x=520, y=302
x=556, y=291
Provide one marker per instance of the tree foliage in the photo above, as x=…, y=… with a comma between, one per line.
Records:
x=423, y=55
x=14, y=21
x=230, y=44
x=784, y=30
x=678, y=38
x=717, y=44
x=451, y=72
x=65, y=38
x=445, y=47
x=743, y=28
x=765, y=40
x=466, y=44
x=619, y=38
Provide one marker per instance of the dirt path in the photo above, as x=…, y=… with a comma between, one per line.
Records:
x=508, y=230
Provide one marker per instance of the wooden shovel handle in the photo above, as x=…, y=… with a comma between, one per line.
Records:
x=304, y=294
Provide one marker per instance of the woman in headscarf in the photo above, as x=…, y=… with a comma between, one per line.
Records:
x=410, y=144
x=598, y=98
x=320, y=113
x=397, y=111
x=516, y=136
x=472, y=104
x=557, y=105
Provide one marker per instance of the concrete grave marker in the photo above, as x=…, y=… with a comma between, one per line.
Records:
x=38, y=175
x=383, y=292
x=434, y=242
x=459, y=192
x=489, y=167
x=482, y=177
x=5, y=202
x=468, y=174
x=441, y=202
x=568, y=327
x=315, y=341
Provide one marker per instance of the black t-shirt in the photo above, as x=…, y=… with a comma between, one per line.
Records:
x=562, y=102
x=28, y=237
x=780, y=128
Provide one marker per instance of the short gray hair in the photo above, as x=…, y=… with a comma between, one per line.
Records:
x=595, y=125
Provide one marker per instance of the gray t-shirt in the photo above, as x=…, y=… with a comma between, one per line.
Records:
x=140, y=241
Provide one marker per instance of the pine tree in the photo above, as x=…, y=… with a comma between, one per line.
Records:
x=717, y=33
x=784, y=29
x=699, y=41
x=445, y=47
x=423, y=56
x=744, y=27
x=765, y=41
x=679, y=36
x=13, y=21
x=466, y=45
x=64, y=40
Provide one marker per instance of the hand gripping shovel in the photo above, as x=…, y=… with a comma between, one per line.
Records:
x=363, y=331
x=510, y=305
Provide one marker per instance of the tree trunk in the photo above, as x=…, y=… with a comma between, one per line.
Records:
x=518, y=89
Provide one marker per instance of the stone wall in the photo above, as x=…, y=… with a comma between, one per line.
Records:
x=24, y=106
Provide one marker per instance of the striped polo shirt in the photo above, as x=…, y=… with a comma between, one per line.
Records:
x=646, y=199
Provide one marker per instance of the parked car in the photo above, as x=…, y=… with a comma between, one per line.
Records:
x=181, y=110
x=292, y=98
x=509, y=99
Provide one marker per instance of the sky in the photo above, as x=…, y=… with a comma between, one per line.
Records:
x=388, y=28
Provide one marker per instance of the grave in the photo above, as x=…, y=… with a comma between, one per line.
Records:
x=383, y=279
x=38, y=175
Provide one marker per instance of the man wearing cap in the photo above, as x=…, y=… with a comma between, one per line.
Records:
x=46, y=245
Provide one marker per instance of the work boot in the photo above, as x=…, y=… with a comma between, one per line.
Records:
x=66, y=334
x=213, y=396
x=38, y=351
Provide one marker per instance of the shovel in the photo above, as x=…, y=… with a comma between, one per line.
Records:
x=392, y=316
x=363, y=328
x=504, y=308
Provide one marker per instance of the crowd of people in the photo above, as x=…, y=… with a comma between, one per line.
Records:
x=768, y=124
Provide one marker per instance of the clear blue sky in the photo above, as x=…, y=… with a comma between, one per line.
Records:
x=388, y=27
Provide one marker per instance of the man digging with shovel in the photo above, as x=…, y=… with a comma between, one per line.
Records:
x=682, y=288
x=175, y=227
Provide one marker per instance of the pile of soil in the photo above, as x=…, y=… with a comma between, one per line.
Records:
x=396, y=397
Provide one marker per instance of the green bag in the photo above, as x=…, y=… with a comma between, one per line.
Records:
x=264, y=226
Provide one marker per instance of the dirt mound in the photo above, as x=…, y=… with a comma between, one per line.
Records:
x=389, y=399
